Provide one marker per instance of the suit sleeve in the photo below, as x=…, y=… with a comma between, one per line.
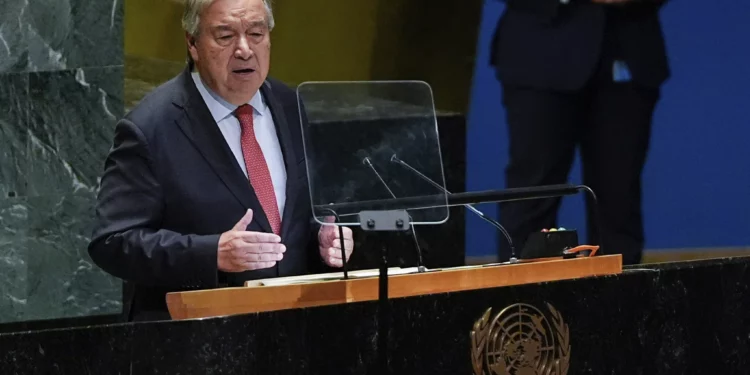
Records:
x=541, y=7
x=549, y=8
x=315, y=261
x=659, y=3
x=127, y=241
x=643, y=7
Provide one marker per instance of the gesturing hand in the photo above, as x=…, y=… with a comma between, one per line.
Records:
x=241, y=250
x=329, y=244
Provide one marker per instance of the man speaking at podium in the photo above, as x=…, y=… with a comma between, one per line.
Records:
x=205, y=185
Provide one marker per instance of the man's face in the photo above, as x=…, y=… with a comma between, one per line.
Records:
x=233, y=48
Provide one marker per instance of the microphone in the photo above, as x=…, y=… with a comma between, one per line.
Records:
x=341, y=242
x=471, y=208
x=420, y=264
x=460, y=199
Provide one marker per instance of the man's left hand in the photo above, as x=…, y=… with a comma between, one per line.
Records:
x=329, y=244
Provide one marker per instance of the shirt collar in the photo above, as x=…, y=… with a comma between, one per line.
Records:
x=219, y=107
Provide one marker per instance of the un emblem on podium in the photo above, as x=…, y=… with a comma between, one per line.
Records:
x=520, y=340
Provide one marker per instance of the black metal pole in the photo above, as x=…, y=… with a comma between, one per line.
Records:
x=454, y=199
x=384, y=314
x=343, y=251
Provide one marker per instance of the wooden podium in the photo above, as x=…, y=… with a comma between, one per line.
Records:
x=257, y=297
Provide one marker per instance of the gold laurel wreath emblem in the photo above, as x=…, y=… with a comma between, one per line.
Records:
x=480, y=335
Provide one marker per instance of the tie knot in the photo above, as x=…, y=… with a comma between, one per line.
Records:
x=244, y=110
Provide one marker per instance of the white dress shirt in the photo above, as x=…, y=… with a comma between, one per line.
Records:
x=265, y=132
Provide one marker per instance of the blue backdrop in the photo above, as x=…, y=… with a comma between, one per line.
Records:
x=697, y=178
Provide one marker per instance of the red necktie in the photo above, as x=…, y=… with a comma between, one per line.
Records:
x=257, y=169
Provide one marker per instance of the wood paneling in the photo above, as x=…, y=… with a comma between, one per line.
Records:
x=239, y=300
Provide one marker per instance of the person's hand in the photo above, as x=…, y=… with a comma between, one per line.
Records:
x=241, y=250
x=329, y=244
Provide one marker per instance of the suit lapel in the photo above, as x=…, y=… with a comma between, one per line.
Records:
x=200, y=127
x=290, y=156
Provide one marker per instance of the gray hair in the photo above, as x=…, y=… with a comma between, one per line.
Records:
x=192, y=16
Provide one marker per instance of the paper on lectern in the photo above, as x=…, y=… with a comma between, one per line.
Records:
x=333, y=276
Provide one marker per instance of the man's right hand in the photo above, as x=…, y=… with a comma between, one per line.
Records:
x=240, y=250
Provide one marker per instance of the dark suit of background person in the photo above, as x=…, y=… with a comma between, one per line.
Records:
x=555, y=62
x=171, y=186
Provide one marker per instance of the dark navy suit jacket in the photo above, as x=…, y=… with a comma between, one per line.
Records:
x=546, y=44
x=171, y=186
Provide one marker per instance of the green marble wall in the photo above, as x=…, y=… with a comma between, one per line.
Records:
x=61, y=74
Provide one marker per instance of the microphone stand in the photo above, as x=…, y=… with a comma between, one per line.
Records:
x=420, y=265
x=393, y=206
x=384, y=317
x=342, y=244
x=471, y=208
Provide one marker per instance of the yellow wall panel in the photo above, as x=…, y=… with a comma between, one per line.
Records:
x=153, y=29
x=317, y=40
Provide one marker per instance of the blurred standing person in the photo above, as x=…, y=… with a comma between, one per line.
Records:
x=580, y=73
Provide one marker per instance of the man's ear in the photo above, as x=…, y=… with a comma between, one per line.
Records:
x=192, y=51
